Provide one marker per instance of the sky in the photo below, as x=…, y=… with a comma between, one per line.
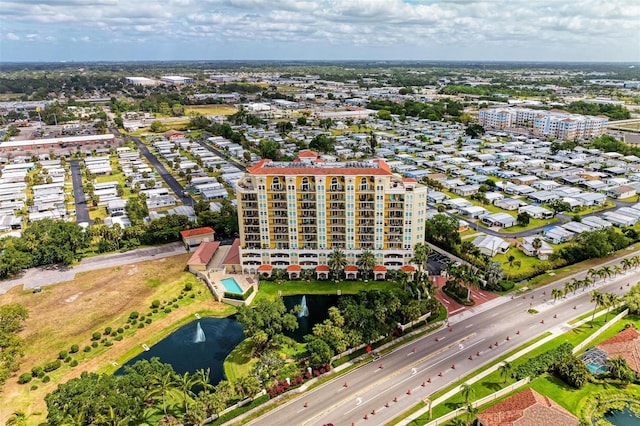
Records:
x=478, y=30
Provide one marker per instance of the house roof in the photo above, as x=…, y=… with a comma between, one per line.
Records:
x=625, y=344
x=379, y=268
x=233, y=255
x=408, y=268
x=322, y=268
x=196, y=231
x=293, y=268
x=203, y=253
x=267, y=167
x=307, y=153
x=265, y=268
x=351, y=268
x=527, y=408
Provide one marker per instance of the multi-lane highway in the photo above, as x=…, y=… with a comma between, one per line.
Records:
x=390, y=385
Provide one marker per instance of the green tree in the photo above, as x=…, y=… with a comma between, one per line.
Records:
x=162, y=385
x=474, y=130
x=337, y=261
x=322, y=143
x=597, y=297
x=366, y=262
x=269, y=149
x=506, y=369
x=320, y=352
x=632, y=299
x=157, y=127
x=467, y=392
x=442, y=230
x=421, y=252
x=265, y=320
x=524, y=218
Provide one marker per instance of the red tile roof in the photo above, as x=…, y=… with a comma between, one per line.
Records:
x=527, y=408
x=307, y=153
x=265, y=268
x=408, y=268
x=197, y=231
x=294, y=268
x=259, y=169
x=379, y=268
x=625, y=344
x=233, y=255
x=351, y=268
x=407, y=179
x=203, y=253
x=322, y=268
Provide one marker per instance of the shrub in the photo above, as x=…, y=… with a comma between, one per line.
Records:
x=506, y=285
x=134, y=322
x=155, y=311
x=74, y=349
x=118, y=337
x=34, y=387
x=141, y=325
x=74, y=363
x=192, y=296
x=67, y=359
x=188, y=287
x=46, y=379
x=573, y=371
x=107, y=331
x=63, y=354
x=37, y=372
x=96, y=336
x=127, y=326
x=133, y=315
x=148, y=320
x=167, y=310
x=94, y=345
x=51, y=366
x=114, y=333
x=108, y=343
x=120, y=330
x=87, y=349
x=180, y=296
x=543, y=362
x=24, y=378
x=155, y=304
x=176, y=306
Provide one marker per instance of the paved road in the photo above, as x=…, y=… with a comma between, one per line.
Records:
x=82, y=211
x=164, y=173
x=400, y=375
x=42, y=276
x=223, y=154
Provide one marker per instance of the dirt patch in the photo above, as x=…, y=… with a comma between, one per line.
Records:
x=67, y=313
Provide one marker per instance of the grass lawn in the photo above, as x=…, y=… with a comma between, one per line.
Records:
x=270, y=289
x=239, y=362
x=533, y=223
x=99, y=212
x=526, y=262
x=67, y=313
x=210, y=109
x=354, y=128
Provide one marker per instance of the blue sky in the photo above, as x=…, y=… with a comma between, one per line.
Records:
x=518, y=30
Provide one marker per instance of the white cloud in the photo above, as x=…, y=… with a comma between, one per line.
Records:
x=12, y=37
x=481, y=26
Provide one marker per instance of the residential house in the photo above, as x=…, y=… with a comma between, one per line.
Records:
x=536, y=212
x=200, y=260
x=474, y=212
x=193, y=237
x=509, y=203
x=620, y=192
x=490, y=245
x=525, y=408
x=625, y=344
x=557, y=235
x=501, y=220
x=542, y=253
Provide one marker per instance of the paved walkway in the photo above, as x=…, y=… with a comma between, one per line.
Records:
x=54, y=274
x=480, y=296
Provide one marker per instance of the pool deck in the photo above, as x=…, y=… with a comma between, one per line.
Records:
x=244, y=281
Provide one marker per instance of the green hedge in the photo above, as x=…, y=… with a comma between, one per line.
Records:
x=237, y=296
x=241, y=410
x=543, y=362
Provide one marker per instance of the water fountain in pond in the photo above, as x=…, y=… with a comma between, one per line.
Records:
x=199, y=337
x=304, y=312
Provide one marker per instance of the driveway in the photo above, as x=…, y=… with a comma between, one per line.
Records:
x=82, y=211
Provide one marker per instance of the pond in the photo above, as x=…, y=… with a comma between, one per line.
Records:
x=317, y=310
x=624, y=417
x=191, y=348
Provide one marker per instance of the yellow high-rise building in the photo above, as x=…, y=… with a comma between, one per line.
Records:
x=292, y=215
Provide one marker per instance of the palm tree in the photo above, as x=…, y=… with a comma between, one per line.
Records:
x=421, y=252
x=627, y=263
x=635, y=261
x=493, y=273
x=593, y=273
x=570, y=286
x=609, y=300
x=512, y=261
x=467, y=392
x=112, y=418
x=337, y=262
x=587, y=281
x=618, y=369
x=202, y=379
x=606, y=272
x=597, y=297
x=247, y=386
x=616, y=270
x=161, y=385
x=366, y=262
x=457, y=422
x=556, y=293
x=471, y=413
x=505, y=370
x=185, y=383
x=536, y=244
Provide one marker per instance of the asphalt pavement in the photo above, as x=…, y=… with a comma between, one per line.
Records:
x=385, y=388
x=82, y=211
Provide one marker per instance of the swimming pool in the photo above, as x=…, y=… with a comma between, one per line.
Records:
x=231, y=285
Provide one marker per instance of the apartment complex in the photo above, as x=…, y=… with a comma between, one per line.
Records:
x=554, y=124
x=294, y=214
